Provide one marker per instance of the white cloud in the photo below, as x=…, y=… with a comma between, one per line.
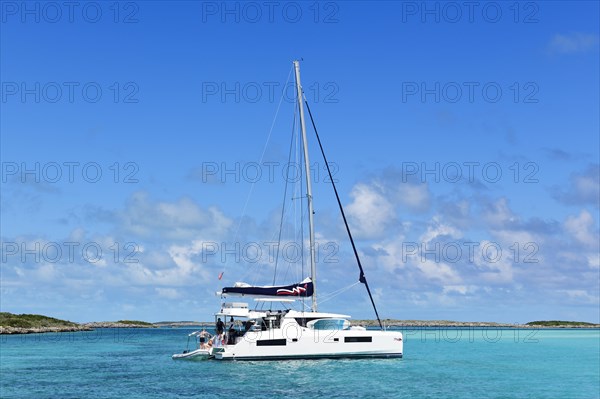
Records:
x=375, y=204
x=580, y=296
x=389, y=253
x=46, y=272
x=583, y=188
x=459, y=289
x=169, y=293
x=594, y=260
x=184, y=267
x=413, y=196
x=494, y=263
x=588, y=186
x=573, y=43
x=581, y=228
x=415, y=259
x=370, y=211
x=180, y=220
x=522, y=237
x=498, y=214
x=438, y=271
x=182, y=255
x=437, y=228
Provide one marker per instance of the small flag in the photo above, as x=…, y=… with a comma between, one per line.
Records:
x=221, y=275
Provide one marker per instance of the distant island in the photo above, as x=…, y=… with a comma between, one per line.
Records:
x=475, y=324
x=120, y=324
x=33, y=323
x=562, y=324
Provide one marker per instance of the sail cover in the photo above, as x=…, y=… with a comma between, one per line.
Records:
x=302, y=289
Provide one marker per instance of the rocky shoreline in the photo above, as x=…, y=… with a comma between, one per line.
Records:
x=72, y=328
x=39, y=330
x=112, y=324
x=56, y=329
x=175, y=324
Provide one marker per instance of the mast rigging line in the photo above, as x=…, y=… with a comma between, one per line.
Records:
x=333, y=294
x=237, y=231
x=284, y=198
x=362, y=278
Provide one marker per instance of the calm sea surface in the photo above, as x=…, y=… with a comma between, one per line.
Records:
x=451, y=363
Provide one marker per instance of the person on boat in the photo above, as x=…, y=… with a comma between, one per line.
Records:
x=231, y=333
x=220, y=326
x=216, y=341
x=204, y=333
x=203, y=339
x=248, y=325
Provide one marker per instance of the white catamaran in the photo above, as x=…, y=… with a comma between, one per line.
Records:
x=295, y=334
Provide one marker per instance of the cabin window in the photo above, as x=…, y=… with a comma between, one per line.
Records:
x=329, y=324
x=302, y=321
x=272, y=321
x=271, y=342
x=358, y=339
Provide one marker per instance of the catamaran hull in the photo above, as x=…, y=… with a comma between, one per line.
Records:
x=314, y=344
x=314, y=357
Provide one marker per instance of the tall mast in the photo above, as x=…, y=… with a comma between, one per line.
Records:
x=313, y=264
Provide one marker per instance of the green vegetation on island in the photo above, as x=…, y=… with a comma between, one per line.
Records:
x=120, y=324
x=136, y=323
x=560, y=323
x=34, y=323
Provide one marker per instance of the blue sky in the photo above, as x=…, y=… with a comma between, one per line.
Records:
x=465, y=144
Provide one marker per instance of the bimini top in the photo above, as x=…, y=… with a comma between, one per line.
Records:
x=302, y=289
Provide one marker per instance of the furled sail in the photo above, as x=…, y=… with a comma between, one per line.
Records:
x=302, y=289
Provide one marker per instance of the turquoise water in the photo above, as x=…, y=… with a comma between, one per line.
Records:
x=136, y=363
